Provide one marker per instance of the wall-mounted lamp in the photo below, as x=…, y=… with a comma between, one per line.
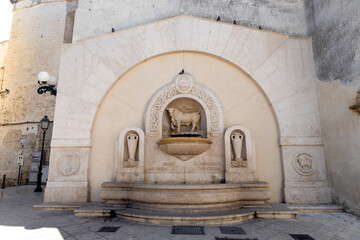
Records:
x=5, y=91
x=356, y=106
x=47, y=83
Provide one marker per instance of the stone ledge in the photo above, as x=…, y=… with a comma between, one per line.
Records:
x=57, y=207
x=304, y=208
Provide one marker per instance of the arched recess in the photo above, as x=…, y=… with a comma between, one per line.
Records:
x=168, y=93
x=89, y=70
x=240, y=101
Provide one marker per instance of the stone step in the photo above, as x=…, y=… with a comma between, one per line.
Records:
x=303, y=208
x=58, y=206
x=184, y=210
x=222, y=216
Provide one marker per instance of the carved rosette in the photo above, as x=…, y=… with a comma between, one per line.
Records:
x=305, y=164
x=68, y=164
x=183, y=85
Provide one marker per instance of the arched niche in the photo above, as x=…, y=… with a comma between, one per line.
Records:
x=136, y=92
x=185, y=105
x=184, y=87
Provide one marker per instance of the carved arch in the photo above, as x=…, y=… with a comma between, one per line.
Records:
x=170, y=92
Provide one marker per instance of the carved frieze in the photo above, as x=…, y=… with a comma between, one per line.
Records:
x=305, y=164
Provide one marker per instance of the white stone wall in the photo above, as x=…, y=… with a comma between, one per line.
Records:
x=282, y=66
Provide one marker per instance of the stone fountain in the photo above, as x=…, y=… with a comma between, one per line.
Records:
x=185, y=161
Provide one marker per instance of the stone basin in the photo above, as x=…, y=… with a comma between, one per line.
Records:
x=184, y=148
x=168, y=196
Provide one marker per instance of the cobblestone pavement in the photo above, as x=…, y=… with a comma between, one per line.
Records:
x=19, y=221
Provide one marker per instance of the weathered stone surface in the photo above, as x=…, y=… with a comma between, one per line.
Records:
x=34, y=46
x=274, y=15
x=335, y=29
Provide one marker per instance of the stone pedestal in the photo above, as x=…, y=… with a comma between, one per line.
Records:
x=68, y=171
x=305, y=171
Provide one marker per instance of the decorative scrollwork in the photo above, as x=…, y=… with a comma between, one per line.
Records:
x=214, y=112
x=156, y=108
x=46, y=88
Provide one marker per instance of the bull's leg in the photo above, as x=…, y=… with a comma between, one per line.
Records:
x=193, y=126
x=178, y=126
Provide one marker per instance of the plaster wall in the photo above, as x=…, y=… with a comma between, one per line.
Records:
x=98, y=17
x=243, y=102
x=34, y=46
x=335, y=29
x=341, y=134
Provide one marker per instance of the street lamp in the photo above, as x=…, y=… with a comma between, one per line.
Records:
x=44, y=125
x=47, y=83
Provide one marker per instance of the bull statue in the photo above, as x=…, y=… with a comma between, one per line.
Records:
x=178, y=119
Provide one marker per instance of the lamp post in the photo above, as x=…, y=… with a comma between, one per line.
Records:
x=47, y=83
x=44, y=126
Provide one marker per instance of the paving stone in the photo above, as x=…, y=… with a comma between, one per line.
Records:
x=75, y=230
x=89, y=236
x=19, y=222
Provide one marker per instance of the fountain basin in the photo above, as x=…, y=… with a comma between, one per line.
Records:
x=186, y=196
x=184, y=148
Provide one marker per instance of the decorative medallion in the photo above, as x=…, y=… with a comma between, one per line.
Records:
x=68, y=164
x=305, y=164
x=184, y=83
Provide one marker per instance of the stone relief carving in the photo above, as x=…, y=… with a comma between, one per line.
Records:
x=240, y=155
x=132, y=142
x=179, y=118
x=305, y=164
x=156, y=109
x=214, y=112
x=237, y=143
x=183, y=85
x=129, y=155
x=68, y=164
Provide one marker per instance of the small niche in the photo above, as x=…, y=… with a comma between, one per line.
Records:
x=189, y=108
x=131, y=147
x=238, y=137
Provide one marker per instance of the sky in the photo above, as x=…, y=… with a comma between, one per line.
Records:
x=5, y=19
